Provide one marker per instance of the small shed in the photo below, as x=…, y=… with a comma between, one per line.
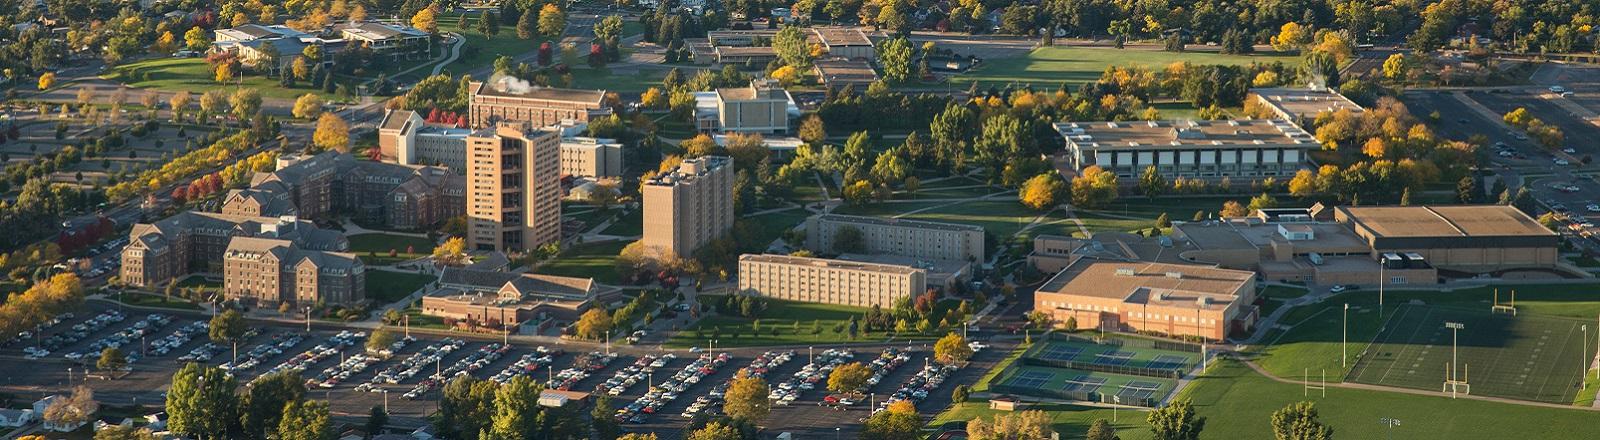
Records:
x=1004, y=403
x=559, y=398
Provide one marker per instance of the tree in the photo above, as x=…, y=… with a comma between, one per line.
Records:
x=528, y=24
x=717, y=431
x=1291, y=36
x=1232, y=209
x=960, y=393
x=380, y=339
x=594, y=323
x=307, y=106
x=1026, y=425
x=111, y=359
x=117, y=432
x=1263, y=201
x=848, y=378
x=306, y=420
x=227, y=327
x=812, y=130
x=700, y=145
x=245, y=103
x=1042, y=191
x=426, y=20
x=1101, y=430
x=791, y=47
x=604, y=420
x=1094, y=188
x=452, y=253
x=1151, y=182
x=746, y=399
x=898, y=422
x=47, y=80
x=1396, y=67
x=197, y=39
x=377, y=419
x=72, y=411
x=1120, y=30
x=552, y=20
x=516, y=410
x=603, y=195
x=201, y=401
x=951, y=349
x=1298, y=421
x=653, y=99
x=1176, y=422
x=1467, y=190
x=890, y=166
x=261, y=406
x=894, y=56
x=332, y=133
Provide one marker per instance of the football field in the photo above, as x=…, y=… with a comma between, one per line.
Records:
x=1526, y=357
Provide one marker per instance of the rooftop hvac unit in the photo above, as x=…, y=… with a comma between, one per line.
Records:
x=1203, y=301
x=1124, y=272
x=1175, y=275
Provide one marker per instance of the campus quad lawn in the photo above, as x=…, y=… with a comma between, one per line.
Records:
x=885, y=209
x=782, y=315
x=480, y=51
x=771, y=226
x=374, y=248
x=999, y=217
x=1071, y=421
x=386, y=287
x=627, y=225
x=622, y=82
x=590, y=260
x=147, y=300
x=194, y=75
x=1050, y=67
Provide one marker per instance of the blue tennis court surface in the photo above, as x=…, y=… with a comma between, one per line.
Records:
x=1058, y=352
x=1032, y=379
x=1139, y=389
x=1168, y=362
x=1084, y=383
x=1114, y=358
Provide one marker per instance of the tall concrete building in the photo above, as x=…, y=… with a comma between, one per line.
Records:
x=513, y=188
x=510, y=100
x=821, y=280
x=689, y=206
x=909, y=238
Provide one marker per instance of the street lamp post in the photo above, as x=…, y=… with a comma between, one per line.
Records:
x=1344, y=351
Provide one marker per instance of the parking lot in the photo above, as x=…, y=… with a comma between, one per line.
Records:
x=338, y=368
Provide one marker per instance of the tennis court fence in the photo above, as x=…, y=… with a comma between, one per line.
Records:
x=1081, y=396
x=1164, y=373
x=1159, y=344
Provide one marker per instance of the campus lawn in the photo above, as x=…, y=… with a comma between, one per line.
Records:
x=771, y=226
x=194, y=75
x=147, y=300
x=621, y=82
x=1275, y=296
x=419, y=320
x=374, y=248
x=628, y=225
x=1071, y=421
x=816, y=325
x=885, y=209
x=1000, y=217
x=1238, y=403
x=480, y=50
x=1051, y=66
x=386, y=287
x=590, y=260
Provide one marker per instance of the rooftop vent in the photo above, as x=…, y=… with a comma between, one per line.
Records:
x=1175, y=275
x=1125, y=272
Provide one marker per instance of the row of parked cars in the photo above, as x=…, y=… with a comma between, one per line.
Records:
x=141, y=328
x=582, y=367
x=528, y=364
x=758, y=368
x=917, y=388
x=394, y=347
x=810, y=376
x=464, y=366
x=278, y=344
x=331, y=377
x=38, y=329
x=333, y=346
x=669, y=389
x=77, y=333
x=634, y=374
x=886, y=362
x=178, y=338
x=413, y=365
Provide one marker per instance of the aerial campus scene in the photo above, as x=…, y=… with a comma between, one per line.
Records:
x=840, y=219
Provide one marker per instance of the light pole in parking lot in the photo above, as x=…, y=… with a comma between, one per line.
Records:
x=308, y=319
x=1344, y=353
x=836, y=433
x=385, y=400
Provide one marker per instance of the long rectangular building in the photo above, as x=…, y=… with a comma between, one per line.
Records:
x=820, y=280
x=513, y=101
x=1191, y=149
x=910, y=238
x=1172, y=299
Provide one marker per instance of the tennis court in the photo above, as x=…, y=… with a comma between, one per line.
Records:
x=1058, y=349
x=1525, y=357
x=1067, y=383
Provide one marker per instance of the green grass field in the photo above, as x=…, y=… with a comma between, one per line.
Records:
x=1001, y=218
x=618, y=82
x=1051, y=66
x=1527, y=357
x=148, y=300
x=386, y=287
x=591, y=260
x=627, y=225
x=884, y=209
x=194, y=75
x=794, y=322
x=374, y=248
x=1239, y=404
x=772, y=225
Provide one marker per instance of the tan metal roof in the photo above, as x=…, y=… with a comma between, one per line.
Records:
x=1155, y=283
x=1444, y=221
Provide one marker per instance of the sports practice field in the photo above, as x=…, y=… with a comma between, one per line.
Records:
x=1525, y=357
x=1053, y=381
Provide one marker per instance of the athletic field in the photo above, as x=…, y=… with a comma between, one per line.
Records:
x=1525, y=357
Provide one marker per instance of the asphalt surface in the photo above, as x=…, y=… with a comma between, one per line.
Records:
x=151, y=375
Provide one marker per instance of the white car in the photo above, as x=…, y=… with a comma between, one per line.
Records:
x=1557, y=89
x=1569, y=150
x=1336, y=288
x=1562, y=162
